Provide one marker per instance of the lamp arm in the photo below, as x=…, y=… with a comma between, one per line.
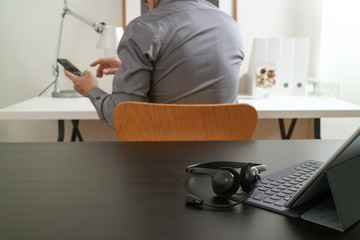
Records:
x=98, y=26
x=56, y=66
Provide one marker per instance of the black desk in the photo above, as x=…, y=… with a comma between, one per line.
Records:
x=115, y=190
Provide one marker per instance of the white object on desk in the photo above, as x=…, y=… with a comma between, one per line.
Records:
x=288, y=57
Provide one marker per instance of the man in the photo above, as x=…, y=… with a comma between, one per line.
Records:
x=182, y=51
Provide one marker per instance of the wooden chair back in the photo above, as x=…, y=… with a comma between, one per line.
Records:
x=138, y=121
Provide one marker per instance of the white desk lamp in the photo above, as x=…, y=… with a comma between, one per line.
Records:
x=110, y=38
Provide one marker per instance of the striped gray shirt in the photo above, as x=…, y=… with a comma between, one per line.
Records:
x=184, y=51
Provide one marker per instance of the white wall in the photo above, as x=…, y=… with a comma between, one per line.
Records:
x=133, y=10
x=340, y=59
x=29, y=37
x=30, y=33
x=276, y=19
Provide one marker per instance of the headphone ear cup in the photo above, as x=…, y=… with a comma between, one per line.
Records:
x=233, y=184
x=247, y=181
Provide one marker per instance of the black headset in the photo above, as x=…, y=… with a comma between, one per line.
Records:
x=226, y=181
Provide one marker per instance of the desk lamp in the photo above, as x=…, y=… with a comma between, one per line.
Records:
x=110, y=38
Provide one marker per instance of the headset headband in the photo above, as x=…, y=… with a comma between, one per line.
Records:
x=219, y=164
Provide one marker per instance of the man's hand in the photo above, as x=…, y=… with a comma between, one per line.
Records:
x=83, y=84
x=106, y=66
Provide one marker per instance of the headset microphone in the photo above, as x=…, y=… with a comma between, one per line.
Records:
x=226, y=181
x=195, y=201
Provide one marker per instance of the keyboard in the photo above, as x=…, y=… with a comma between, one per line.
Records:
x=276, y=189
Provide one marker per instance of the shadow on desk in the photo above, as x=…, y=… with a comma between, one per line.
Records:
x=308, y=229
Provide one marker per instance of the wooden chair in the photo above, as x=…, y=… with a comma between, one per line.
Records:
x=138, y=121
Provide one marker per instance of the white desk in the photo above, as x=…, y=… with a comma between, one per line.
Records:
x=274, y=107
x=301, y=107
x=49, y=108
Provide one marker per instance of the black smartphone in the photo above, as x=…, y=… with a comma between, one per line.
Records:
x=70, y=67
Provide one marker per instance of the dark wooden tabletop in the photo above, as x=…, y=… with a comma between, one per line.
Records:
x=113, y=190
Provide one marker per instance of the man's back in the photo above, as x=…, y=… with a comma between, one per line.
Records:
x=184, y=51
x=199, y=53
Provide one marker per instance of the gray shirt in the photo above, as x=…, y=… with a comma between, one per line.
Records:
x=184, y=51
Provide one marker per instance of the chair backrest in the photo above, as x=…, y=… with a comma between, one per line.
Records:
x=138, y=121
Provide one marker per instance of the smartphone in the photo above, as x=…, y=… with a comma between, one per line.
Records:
x=70, y=67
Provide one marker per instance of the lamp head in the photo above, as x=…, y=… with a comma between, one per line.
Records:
x=110, y=37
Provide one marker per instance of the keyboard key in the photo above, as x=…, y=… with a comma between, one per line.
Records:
x=282, y=195
x=282, y=187
x=268, y=200
x=313, y=168
x=304, y=177
x=287, y=198
x=276, y=184
x=270, y=192
x=265, y=182
x=263, y=189
x=299, y=180
x=288, y=192
x=293, y=182
x=280, y=203
x=279, y=176
x=260, y=196
x=275, y=198
x=276, y=190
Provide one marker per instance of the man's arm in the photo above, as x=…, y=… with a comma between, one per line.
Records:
x=138, y=50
